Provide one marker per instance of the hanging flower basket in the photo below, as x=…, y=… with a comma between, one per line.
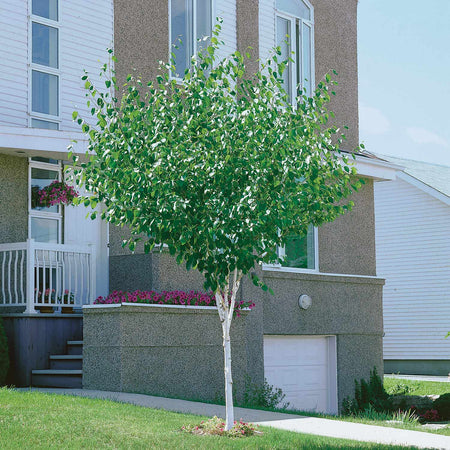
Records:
x=55, y=193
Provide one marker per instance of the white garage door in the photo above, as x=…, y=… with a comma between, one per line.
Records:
x=304, y=367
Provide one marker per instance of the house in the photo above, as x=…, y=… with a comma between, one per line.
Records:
x=46, y=44
x=412, y=217
x=323, y=327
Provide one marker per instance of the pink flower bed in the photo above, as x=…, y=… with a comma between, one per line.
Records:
x=191, y=298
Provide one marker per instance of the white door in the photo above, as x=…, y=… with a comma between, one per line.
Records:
x=304, y=367
x=81, y=230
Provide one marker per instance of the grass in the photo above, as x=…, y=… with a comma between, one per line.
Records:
x=417, y=387
x=47, y=421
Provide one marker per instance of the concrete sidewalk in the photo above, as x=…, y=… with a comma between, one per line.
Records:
x=290, y=422
x=399, y=376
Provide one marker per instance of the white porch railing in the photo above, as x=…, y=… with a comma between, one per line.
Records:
x=36, y=275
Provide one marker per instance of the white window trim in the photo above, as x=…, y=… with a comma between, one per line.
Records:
x=40, y=68
x=298, y=52
x=43, y=214
x=281, y=268
x=194, y=37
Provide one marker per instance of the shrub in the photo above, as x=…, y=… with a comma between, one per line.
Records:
x=265, y=396
x=442, y=405
x=4, y=357
x=401, y=389
x=368, y=395
x=191, y=298
x=216, y=426
x=430, y=415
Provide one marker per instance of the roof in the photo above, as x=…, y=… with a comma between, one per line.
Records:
x=434, y=175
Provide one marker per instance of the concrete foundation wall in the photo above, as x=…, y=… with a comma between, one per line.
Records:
x=164, y=351
x=13, y=199
x=438, y=367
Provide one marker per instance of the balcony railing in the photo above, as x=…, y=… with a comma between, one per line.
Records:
x=39, y=275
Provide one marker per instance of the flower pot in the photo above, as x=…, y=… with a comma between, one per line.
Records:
x=67, y=310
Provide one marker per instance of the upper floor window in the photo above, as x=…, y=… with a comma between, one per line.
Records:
x=45, y=8
x=190, y=26
x=295, y=37
x=45, y=75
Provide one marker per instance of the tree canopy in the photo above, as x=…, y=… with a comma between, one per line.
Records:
x=219, y=168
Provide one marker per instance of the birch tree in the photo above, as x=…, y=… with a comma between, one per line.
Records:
x=220, y=170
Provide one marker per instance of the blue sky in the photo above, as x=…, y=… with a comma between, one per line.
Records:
x=404, y=78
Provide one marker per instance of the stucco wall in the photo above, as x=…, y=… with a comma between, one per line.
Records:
x=141, y=37
x=13, y=199
x=174, y=352
x=347, y=245
x=348, y=307
x=336, y=49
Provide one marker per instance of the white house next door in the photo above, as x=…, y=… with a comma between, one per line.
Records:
x=304, y=367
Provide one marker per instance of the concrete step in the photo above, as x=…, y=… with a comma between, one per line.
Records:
x=57, y=378
x=66, y=362
x=74, y=347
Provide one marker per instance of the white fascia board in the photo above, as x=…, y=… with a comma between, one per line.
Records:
x=424, y=187
x=39, y=142
x=374, y=168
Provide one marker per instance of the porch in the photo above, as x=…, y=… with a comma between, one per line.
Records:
x=37, y=277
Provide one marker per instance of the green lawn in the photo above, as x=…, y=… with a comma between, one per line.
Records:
x=418, y=387
x=42, y=421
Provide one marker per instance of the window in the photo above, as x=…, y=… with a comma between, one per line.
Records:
x=190, y=23
x=45, y=223
x=295, y=37
x=300, y=251
x=44, y=67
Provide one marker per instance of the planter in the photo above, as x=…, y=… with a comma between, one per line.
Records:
x=67, y=310
x=166, y=350
x=45, y=309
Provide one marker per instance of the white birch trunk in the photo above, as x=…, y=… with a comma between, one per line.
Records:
x=225, y=307
x=229, y=420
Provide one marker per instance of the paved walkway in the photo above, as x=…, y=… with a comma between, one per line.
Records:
x=300, y=424
x=419, y=377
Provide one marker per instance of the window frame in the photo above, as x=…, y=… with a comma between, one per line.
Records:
x=33, y=213
x=194, y=40
x=32, y=18
x=298, y=46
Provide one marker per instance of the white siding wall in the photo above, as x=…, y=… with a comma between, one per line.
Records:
x=413, y=254
x=226, y=9
x=86, y=32
x=14, y=62
x=266, y=28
